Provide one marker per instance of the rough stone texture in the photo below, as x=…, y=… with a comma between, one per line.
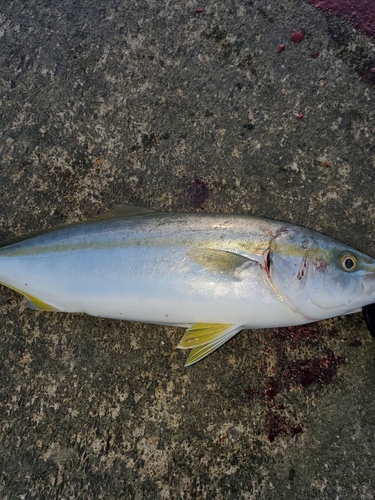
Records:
x=155, y=104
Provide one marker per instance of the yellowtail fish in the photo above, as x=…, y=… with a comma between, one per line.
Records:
x=214, y=274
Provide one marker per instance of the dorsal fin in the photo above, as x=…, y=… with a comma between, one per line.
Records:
x=117, y=212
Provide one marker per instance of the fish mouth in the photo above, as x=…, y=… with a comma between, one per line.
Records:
x=368, y=284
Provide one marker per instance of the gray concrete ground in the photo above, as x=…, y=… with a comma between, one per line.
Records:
x=155, y=104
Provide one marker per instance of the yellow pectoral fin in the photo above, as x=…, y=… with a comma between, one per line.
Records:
x=221, y=261
x=205, y=338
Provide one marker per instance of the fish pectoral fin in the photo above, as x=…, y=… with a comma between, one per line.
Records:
x=205, y=338
x=220, y=260
x=37, y=304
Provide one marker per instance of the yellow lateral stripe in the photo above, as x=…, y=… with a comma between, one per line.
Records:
x=202, y=333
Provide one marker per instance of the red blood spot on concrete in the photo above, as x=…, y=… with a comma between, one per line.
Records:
x=276, y=425
x=300, y=116
x=321, y=370
x=272, y=388
x=252, y=394
x=361, y=13
x=198, y=193
x=199, y=11
x=289, y=373
x=223, y=438
x=281, y=48
x=314, y=55
x=368, y=74
x=297, y=429
x=297, y=37
x=290, y=336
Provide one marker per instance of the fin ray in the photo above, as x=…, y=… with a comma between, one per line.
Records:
x=205, y=338
x=202, y=333
x=200, y=352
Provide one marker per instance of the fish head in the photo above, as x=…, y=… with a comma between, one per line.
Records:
x=320, y=277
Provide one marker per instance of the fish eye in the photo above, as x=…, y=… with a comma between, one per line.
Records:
x=348, y=262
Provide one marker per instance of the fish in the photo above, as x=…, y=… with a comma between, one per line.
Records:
x=213, y=274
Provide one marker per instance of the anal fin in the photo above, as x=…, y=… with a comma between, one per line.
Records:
x=37, y=304
x=32, y=301
x=205, y=338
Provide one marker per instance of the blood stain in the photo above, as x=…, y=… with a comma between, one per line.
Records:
x=368, y=74
x=314, y=55
x=276, y=425
x=281, y=48
x=297, y=37
x=198, y=193
x=272, y=388
x=360, y=13
x=252, y=394
x=290, y=374
x=320, y=370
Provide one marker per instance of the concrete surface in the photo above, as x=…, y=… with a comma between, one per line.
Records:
x=155, y=104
